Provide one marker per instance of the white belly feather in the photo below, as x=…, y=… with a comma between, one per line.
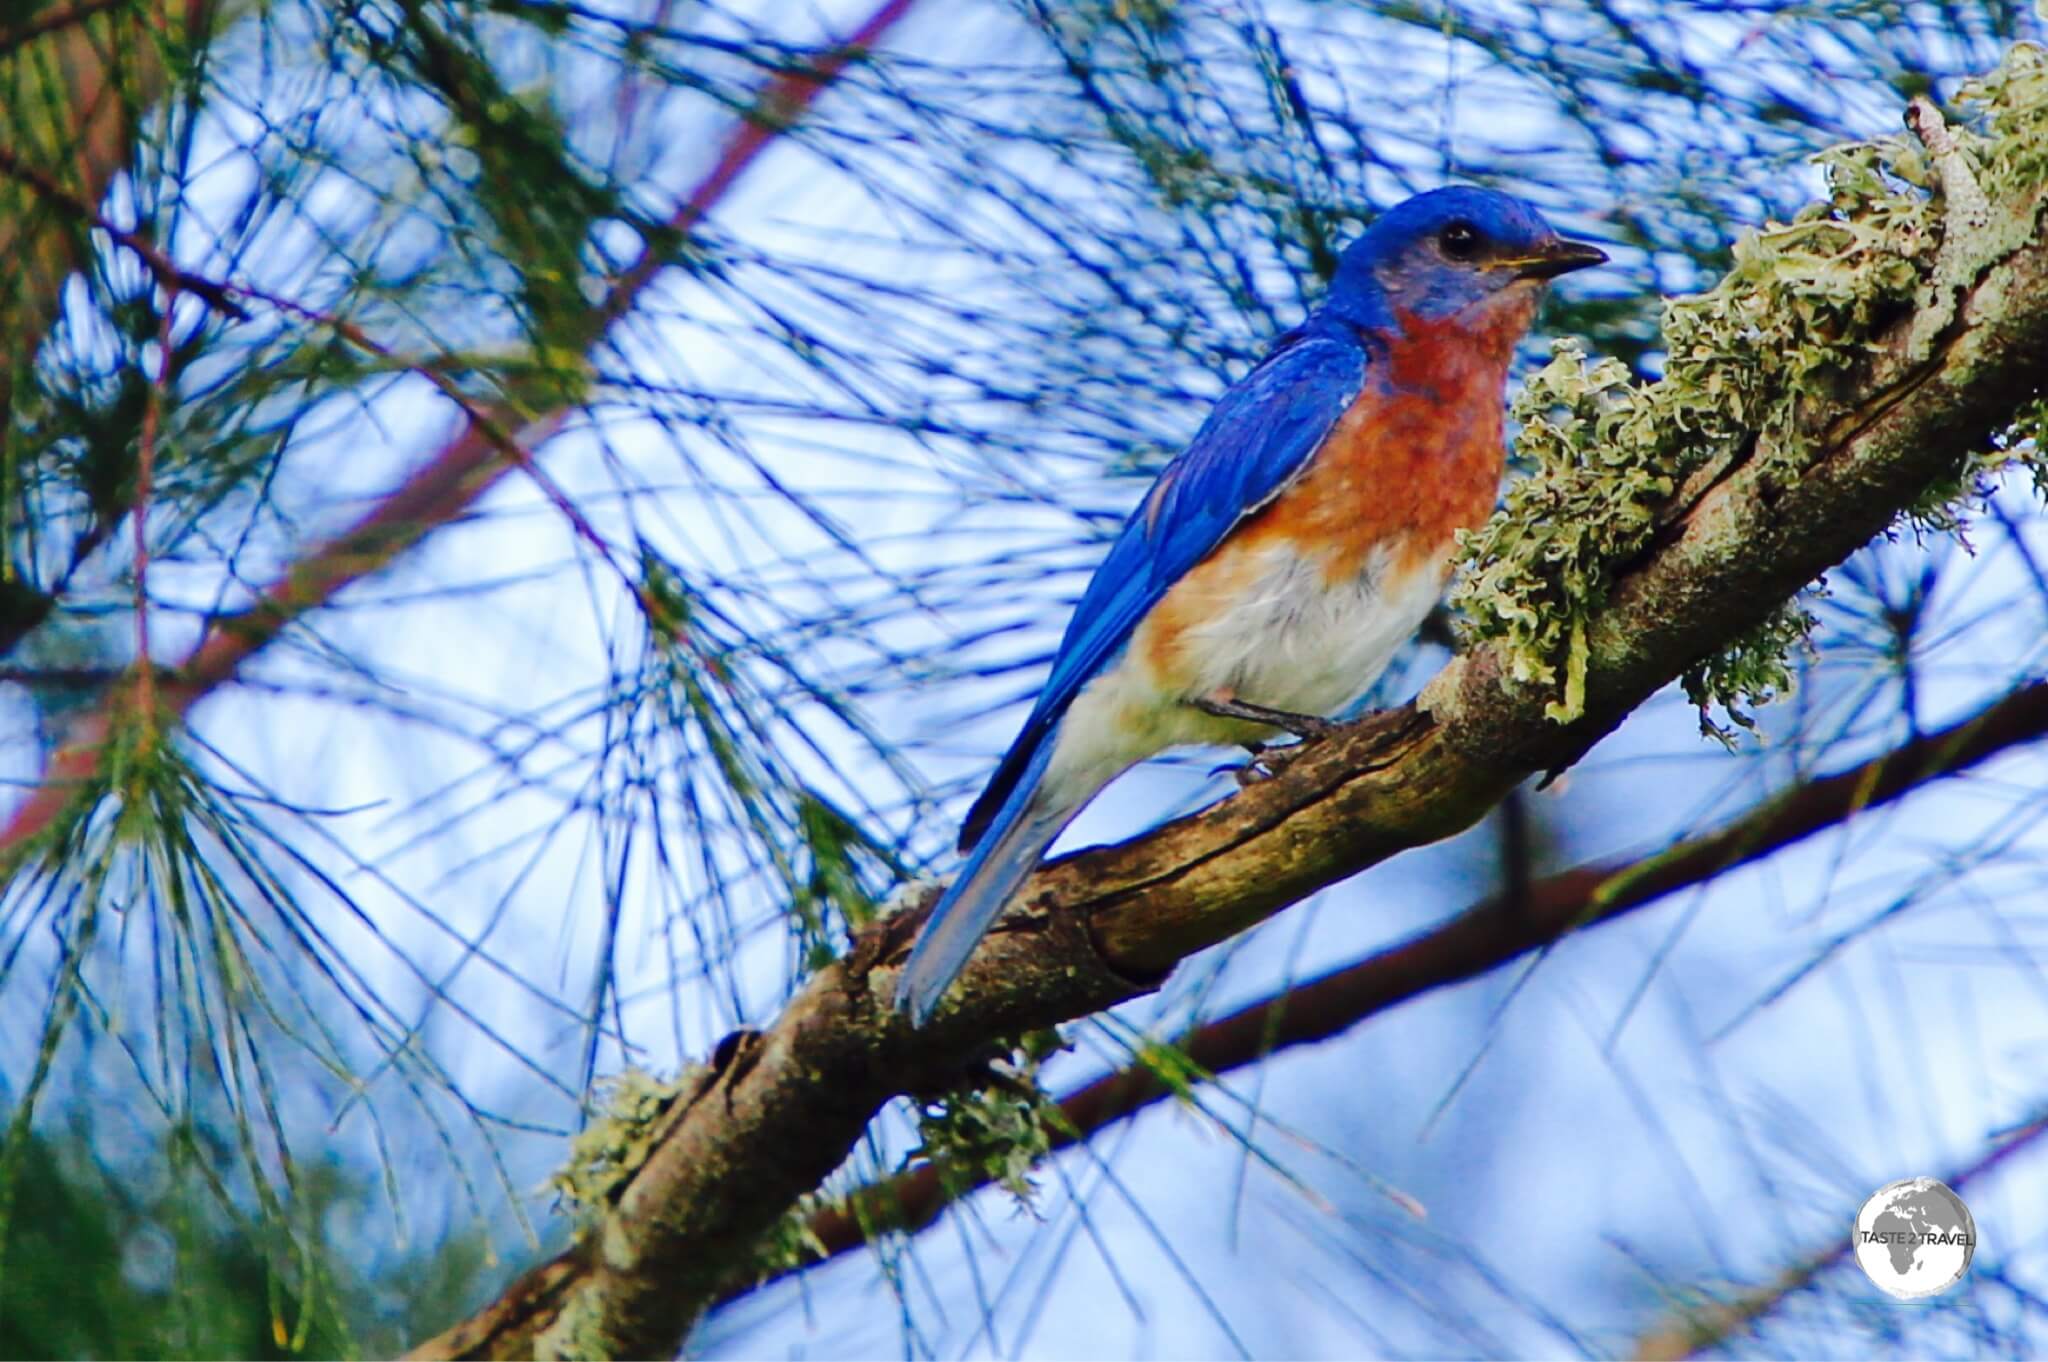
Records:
x=1293, y=642
x=1287, y=641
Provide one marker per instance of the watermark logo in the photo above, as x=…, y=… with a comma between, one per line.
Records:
x=1915, y=1239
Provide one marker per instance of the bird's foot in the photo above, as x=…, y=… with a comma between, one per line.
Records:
x=1303, y=726
x=1268, y=762
x=1262, y=763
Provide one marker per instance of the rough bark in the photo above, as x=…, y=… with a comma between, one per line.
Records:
x=781, y=1108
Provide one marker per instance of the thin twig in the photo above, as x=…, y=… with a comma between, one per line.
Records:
x=1966, y=198
x=138, y=513
x=169, y=274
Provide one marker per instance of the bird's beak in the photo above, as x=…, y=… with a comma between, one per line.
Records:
x=1557, y=256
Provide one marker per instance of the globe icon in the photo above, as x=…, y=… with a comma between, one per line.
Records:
x=1915, y=1238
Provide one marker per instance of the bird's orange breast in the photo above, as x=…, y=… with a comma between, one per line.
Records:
x=1416, y=458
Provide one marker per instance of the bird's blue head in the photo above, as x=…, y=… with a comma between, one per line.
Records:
x=1452, y=252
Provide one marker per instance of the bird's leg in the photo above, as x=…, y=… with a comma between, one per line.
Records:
x=1302, y=726
x=1266, y=761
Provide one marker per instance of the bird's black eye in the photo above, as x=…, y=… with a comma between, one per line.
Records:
x=1458, y=241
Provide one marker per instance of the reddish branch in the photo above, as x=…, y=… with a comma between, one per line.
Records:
x=1480, y=939
x=76, y=134
x=452, y=481
x=1718, y=1321
x=73, y=81
x=55, y=18
x=78, y=209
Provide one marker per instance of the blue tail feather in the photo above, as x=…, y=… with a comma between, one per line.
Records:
x=1006, y=853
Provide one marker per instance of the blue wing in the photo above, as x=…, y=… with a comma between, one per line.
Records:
x=1258, y=439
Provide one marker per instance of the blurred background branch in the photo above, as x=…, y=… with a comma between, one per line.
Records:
x=495, y=441
x=1707, y=1324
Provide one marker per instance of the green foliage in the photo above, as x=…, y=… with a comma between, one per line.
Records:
x=1747, y=364
x=91, y=1270
x=1752, y=670
x=700, y=681
x=1947, y=506
x=112, y=1261
x=996, y=1129
x=527, y=183
x=149, y=850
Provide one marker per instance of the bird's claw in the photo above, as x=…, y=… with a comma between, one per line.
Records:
x=1261, y=764
x=1275, y=761
x=1251, y=771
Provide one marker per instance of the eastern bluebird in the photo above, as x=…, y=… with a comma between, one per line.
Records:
x=1272, y=570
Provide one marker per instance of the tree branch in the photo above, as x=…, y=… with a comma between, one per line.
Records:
x=1823, y=468
x=1480, y=939
x=1715, y=1322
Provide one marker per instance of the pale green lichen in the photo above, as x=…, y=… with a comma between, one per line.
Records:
x=579, y=1328
x=1754, y=669
x=1947, y=506
x=791, y=1242
x=1749, y=364
x=605, y=1154
x=996, y=1131
x=2026, y=444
